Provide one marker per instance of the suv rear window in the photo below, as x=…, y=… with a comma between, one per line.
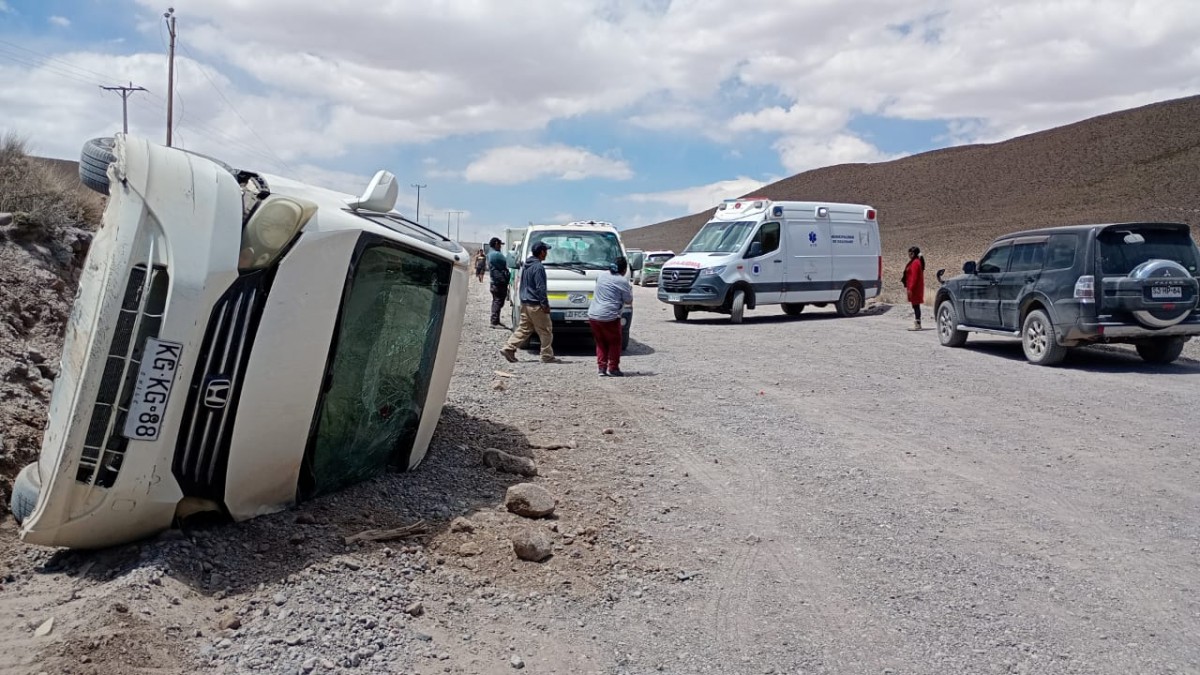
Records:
x=1118, y=258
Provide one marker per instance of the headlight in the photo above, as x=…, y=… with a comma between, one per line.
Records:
x=712, y=271
x=272, y=227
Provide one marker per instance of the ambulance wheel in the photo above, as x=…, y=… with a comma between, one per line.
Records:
x=737, y=306
x=851, y=301
x=681, y=312
x=793, y=309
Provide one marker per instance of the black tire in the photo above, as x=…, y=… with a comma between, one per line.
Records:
x=24, y=494
x=1038, y=341
x=1160, y=350
x=625, y=339
x=681, y=312
x=737, y=306
x=851, y=301
x=97, y=154
x=947, y=326
x=793, y=309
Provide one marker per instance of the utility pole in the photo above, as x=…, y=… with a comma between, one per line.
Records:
x=169, y=15
x=458, y=225
x=448, y=224
x=125, y=92
x=456, y=215
x=419, y=187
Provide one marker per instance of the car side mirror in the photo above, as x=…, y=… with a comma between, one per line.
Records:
x=940, y=274
x=635, y=263
x=512, y=261
x=970, y=267
x=755, y=249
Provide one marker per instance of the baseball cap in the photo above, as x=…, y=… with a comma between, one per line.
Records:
x=540, y=246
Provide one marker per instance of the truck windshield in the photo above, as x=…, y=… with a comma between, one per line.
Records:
x=718, y=237
x=579, y=249
x=1118, y=258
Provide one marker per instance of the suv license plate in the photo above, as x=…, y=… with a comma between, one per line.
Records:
x=1167, y=292
x=674, y=297
x=575, y=315
x=160, y=359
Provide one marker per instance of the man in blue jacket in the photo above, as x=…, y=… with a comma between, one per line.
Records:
x=535, y=308
x=498, y=273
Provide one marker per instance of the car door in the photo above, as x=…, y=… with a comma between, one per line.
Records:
x=1024, y=269
x=981, y=297
x=766, y=270
x=808, y=273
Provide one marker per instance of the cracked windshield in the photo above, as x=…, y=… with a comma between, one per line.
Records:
x=387, y=338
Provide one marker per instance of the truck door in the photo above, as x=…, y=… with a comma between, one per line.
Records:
x=765, y=269
x=981, y=296
x=1023, y=272
x=808, y=275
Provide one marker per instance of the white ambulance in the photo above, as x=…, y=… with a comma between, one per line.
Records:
x=757, y=252
x=579, y=253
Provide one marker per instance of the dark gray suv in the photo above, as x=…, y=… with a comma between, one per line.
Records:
x=1063, y=287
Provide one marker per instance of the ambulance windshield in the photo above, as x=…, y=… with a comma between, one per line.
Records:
x=718, y=237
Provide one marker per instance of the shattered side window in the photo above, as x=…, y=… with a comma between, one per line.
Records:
x=381, y=365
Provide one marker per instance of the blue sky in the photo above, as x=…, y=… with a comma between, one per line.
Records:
x=632, y=111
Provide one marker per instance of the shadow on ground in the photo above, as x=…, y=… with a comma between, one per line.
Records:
x=1098, y=358
x=237, y=557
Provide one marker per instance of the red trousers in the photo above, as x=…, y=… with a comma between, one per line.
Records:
x=607, y=335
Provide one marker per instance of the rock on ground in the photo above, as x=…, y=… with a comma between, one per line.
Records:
x=529, y=500
x=506, y=463
x=533, y=545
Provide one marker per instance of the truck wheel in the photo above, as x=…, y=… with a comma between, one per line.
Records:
x=947, y=324
x=97, y=154
x=1037, y=339
x=851, y=301
x=793, y=309
x=681, y=312
x=737, y=306
x=24, y=493
x=624, y=339
x=1161, y=350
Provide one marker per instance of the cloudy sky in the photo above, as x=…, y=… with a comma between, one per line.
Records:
x=632, y=111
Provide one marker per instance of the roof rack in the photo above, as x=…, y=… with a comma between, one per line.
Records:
x=595, y=223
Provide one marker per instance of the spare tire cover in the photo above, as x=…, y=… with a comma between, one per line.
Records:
x=1164, y=269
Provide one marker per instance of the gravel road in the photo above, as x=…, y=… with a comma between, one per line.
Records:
x=791, y=495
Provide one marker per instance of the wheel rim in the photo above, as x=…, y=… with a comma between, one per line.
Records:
x=853, y=301
x=1035, y=337
x=944, y=322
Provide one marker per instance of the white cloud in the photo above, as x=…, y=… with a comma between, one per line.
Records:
x=60, y=21
x=801, y=153
x=701, y=197
x=4, y=8
x=520, y=164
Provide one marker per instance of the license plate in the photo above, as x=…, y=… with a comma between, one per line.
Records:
x=674, y=297
x=160, y=359
x=1166, y=292
x=575, y=315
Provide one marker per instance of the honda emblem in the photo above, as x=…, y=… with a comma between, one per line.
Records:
x=216, y=392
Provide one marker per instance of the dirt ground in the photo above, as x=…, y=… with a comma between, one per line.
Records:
x=791, y=495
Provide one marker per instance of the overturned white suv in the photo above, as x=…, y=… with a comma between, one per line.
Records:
x=239, y=342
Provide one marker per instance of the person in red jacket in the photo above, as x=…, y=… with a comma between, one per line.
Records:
x=914, y=283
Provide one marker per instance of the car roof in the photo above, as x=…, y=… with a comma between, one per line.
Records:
x=1065, y=229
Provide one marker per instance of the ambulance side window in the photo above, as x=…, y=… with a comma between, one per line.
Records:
x=768, y=237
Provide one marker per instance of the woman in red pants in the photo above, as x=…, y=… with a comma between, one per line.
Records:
x=612, y=293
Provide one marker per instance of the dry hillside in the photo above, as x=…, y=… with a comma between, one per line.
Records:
x=1140, y=164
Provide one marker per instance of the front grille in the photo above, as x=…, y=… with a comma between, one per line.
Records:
x=202, y=451
x=677, y=280
x=139, y=318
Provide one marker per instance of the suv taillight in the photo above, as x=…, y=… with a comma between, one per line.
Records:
x=1085, y=288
